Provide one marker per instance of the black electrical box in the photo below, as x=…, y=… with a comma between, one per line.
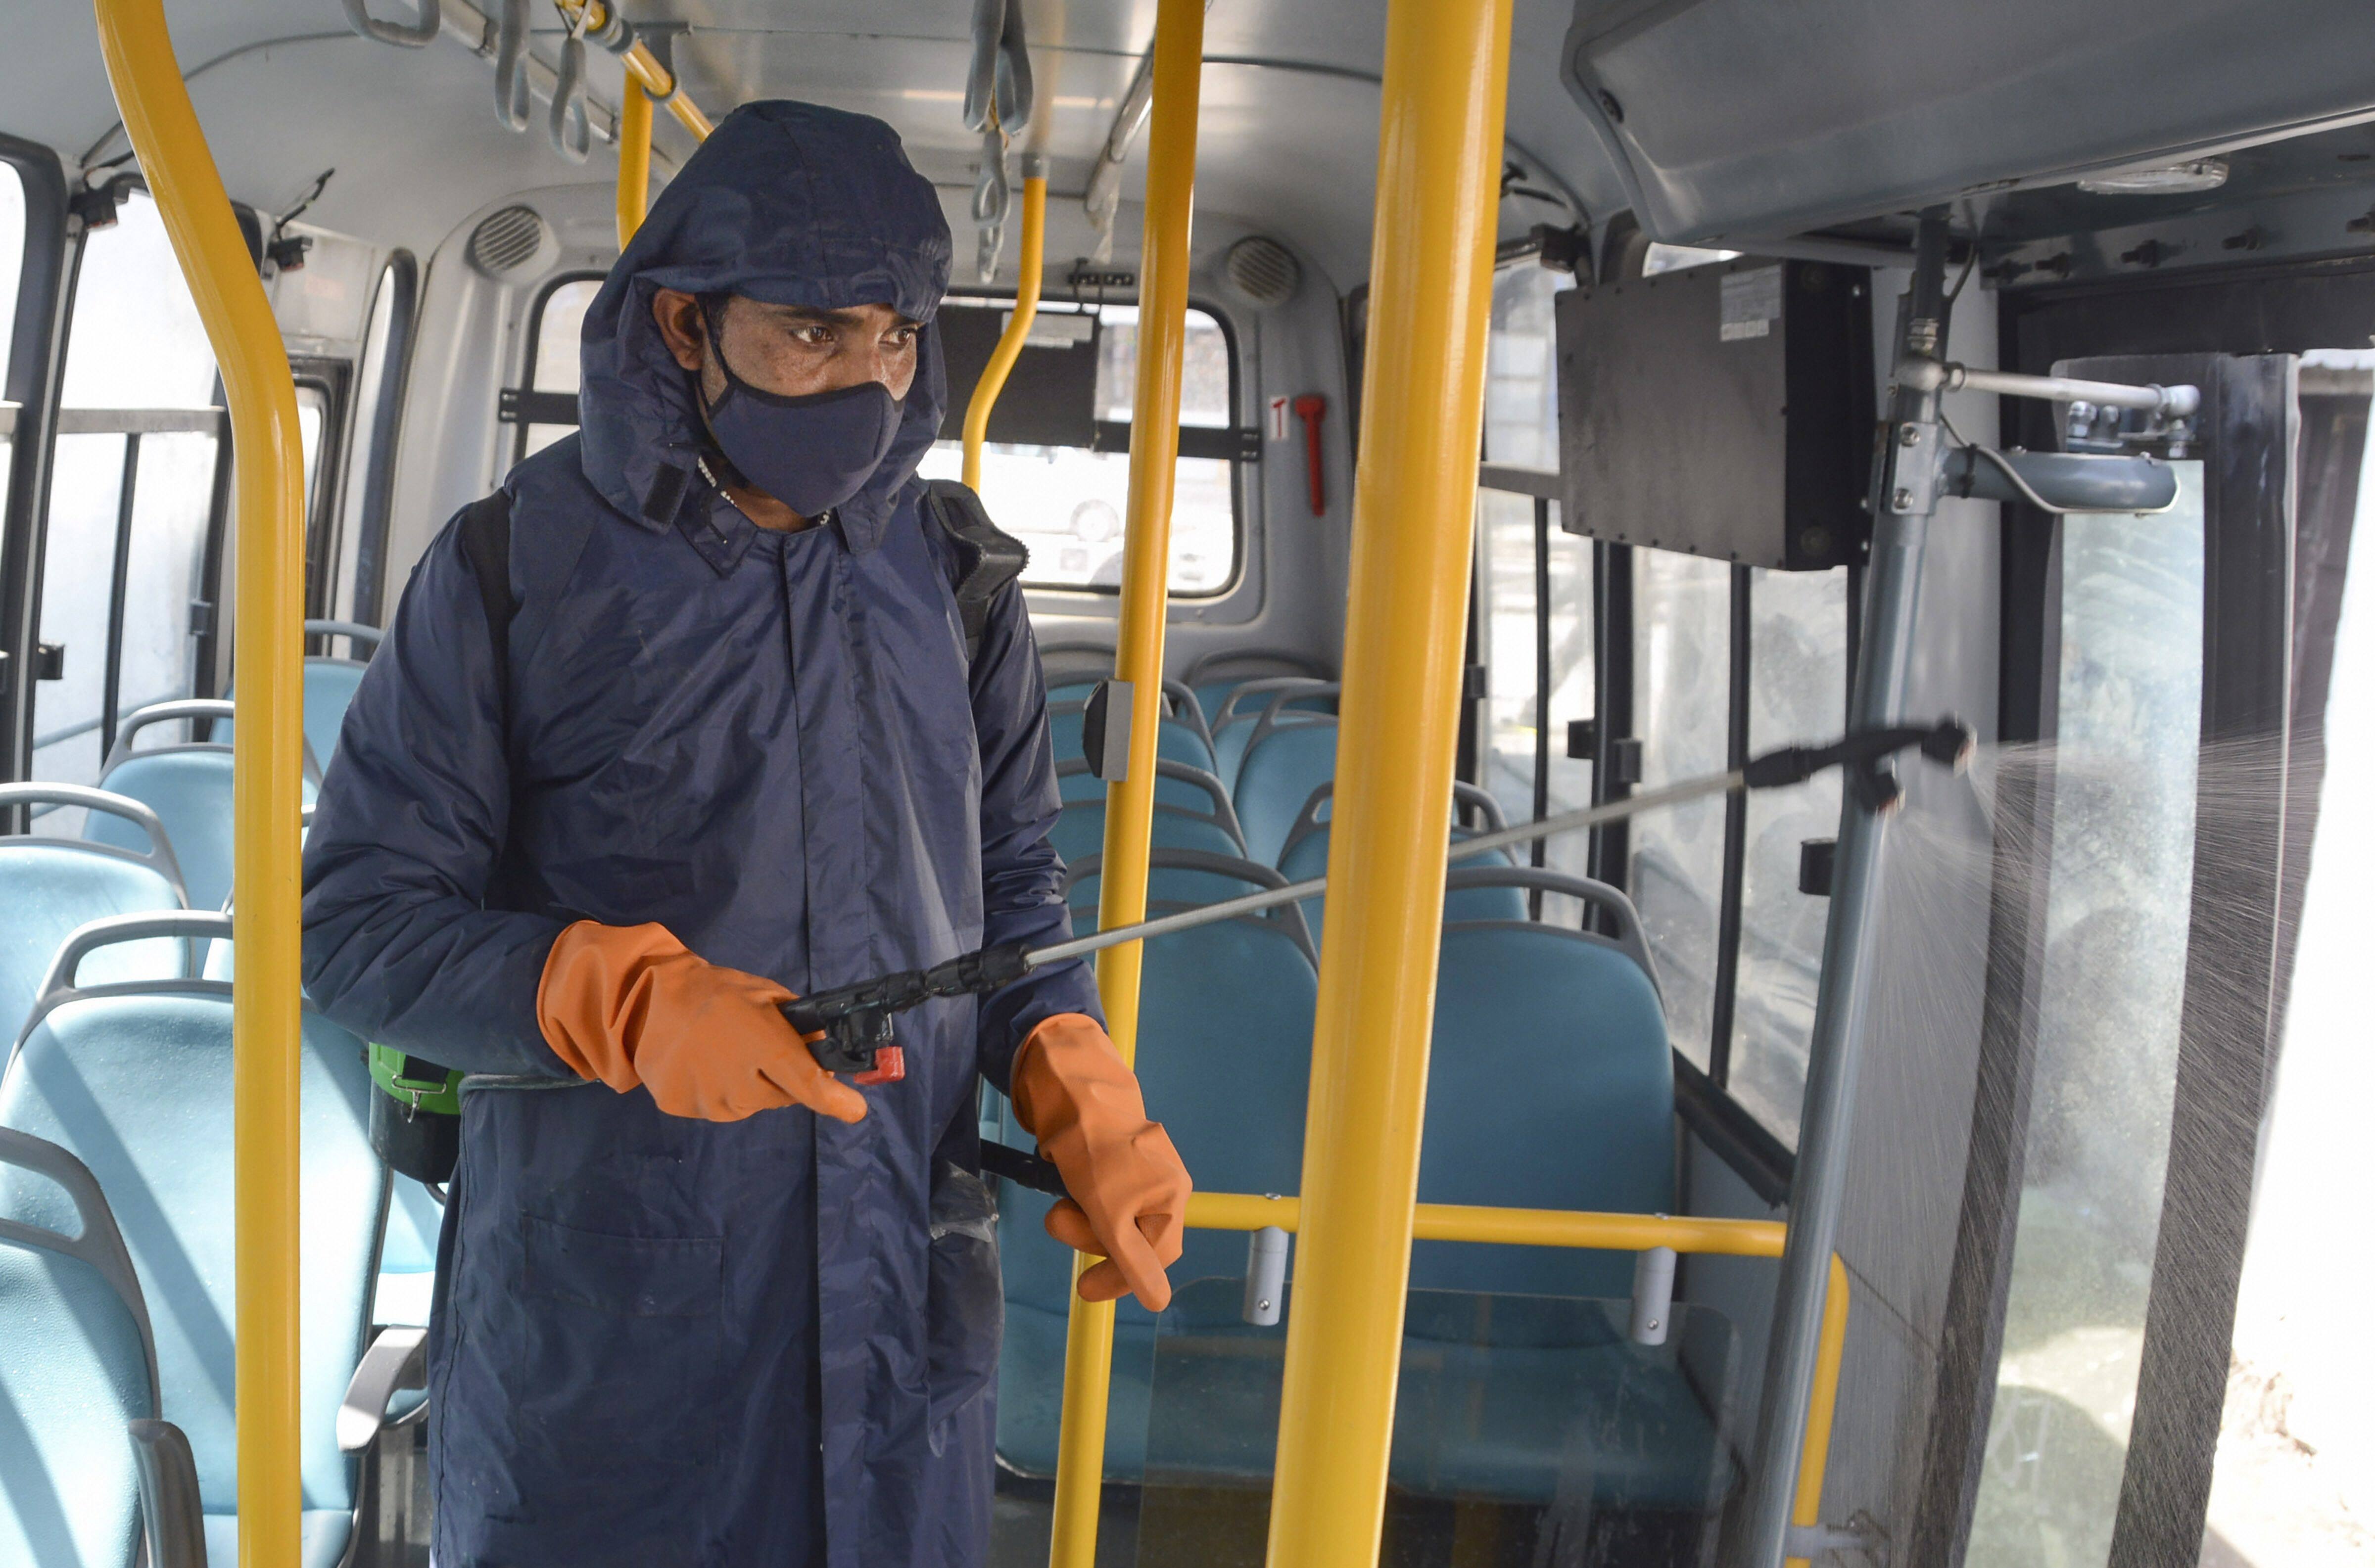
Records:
x=1723, y=410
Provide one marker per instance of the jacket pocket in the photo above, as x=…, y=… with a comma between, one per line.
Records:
x=967, y=1309
x=620, y=1364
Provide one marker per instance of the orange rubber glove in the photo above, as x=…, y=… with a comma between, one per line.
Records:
x=1073, y=1094
x=629, y=1005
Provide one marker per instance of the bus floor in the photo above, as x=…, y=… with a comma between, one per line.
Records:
x=1157, y=1527
x=1183, y=1527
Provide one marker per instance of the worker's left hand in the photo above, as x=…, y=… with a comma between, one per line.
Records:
x=1130, y=1190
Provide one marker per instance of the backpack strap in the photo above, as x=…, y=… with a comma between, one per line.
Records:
x=986, y=560
x=486, y=540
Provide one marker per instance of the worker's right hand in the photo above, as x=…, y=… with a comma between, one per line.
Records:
x=629, y=1005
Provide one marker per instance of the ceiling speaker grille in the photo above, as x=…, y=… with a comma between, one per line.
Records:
x=506, y=240
x=1263, y=272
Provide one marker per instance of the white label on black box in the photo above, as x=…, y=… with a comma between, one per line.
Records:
x=1751, y=303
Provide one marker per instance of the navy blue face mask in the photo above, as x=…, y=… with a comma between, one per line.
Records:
x=811, y=452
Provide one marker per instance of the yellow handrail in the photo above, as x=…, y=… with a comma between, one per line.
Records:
x=1413, y=507
x=635, y=158
x=181, y=172
x=1018, y=327
x=643, y=65
x=1178, y=56
x=1615, y=1233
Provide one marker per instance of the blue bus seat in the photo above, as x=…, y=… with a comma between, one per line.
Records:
x=1277, y=774
x=79, y=1386
x=1227, y=1068
x=1251, y=709
x=51, y=885
x=1183, y=879
x=1541, y=1030
x=1305, y=857
x=408, y=1255
x=136, y=1080
x=1179, y=786
x=1079, y=832
x=329, y=685
x=189, y=787
x=1178, y=741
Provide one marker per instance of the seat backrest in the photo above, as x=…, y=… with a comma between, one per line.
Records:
x=135, y=1080
x=1178, y=741
x=1277, y=774
x=218, y=711
x=1550, y=1085
x=51, y=886
x=1180, y=880
x=77, y=1368
x=1245, y=711
x=189, y=788
x=1179, y=786
x=1079, y=832
x=329, y=687
x=1224, y=1058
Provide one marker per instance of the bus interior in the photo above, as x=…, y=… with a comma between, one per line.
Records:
x=1916, y=1166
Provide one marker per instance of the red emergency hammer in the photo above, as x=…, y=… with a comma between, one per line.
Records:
x=1311, y=408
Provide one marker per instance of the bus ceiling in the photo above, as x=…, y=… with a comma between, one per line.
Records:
x=1774, y=130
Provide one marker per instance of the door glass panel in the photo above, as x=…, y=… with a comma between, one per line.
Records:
x=1797, y=692
x=2295, y=1482
x=1682, y=611
x=1505, y=531
x=1527, y=1430
x=134, y=342
x=2122, y=780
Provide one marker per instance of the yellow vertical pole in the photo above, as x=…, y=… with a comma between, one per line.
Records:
x=635, y=158
x=1137, y=659
x=1815, y=1457
x=1018, y=327
x=1413, y=503
x=165, y=134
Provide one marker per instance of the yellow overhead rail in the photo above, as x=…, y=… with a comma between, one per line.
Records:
x=1439, y=163
x=181, y=172
x=642, y=65
x=635, y=159
x=1018, y=327
x=1178, y=57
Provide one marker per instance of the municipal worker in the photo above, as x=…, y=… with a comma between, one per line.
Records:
x=716, y=736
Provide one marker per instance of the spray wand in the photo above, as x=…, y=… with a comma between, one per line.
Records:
x=856, y=1019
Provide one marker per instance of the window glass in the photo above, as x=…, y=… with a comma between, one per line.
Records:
x=553, y=359
x=1520, y=367
x=1067, y=503
x=1797, y=692
x=1514, y=713
x=12, y=261
x=312, y=405
x=1682, y=608
x=2118, y=903
x=369, y=387
x=135, y=341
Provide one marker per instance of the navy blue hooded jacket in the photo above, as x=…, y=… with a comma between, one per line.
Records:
x=662, y=1340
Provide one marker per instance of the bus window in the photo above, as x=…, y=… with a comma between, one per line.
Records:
x=354, y=588
x=118, y=582
x=1067, y=502
x=12, y=264
x=1682, y=608
x=1531, y=568
x=1797, y=692
x=553, y=363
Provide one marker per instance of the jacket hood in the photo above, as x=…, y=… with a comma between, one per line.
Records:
x=789, y=202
